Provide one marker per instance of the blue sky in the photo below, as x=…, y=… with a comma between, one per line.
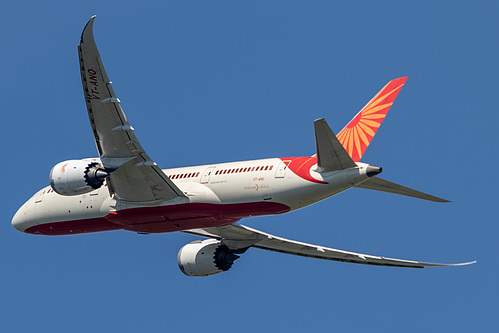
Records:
x=215, y=81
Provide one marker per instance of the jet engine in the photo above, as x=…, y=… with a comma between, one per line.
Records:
x=75, y=177
x=207, y=257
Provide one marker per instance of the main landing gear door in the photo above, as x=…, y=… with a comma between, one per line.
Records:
x=281, y=169
x=205, y=178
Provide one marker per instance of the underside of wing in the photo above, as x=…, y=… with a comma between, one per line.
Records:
x=135, y=177
x=240, y=236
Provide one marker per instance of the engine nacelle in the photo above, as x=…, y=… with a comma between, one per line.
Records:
x=77, y=177
x=207, y=257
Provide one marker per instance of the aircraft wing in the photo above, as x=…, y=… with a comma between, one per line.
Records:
x=379, y=184
x=136, y=178
x=240, y=236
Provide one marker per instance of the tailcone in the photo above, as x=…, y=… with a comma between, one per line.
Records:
x=372, y=170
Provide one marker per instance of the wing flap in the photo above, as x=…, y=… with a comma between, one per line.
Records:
x=265, y=241
x=136, y=177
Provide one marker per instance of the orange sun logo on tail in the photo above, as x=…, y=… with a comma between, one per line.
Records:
x=357, y=135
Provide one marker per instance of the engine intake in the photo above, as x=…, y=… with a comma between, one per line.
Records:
x=207, y=257
x=75, y=177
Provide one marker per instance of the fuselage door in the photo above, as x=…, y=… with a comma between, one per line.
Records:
x=205, y=178
x=281, y=169
x=39, y=196
x=265, y=189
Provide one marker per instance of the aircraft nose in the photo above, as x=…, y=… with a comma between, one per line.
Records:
x=20, y=219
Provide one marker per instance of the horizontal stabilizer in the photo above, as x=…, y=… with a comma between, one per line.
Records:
x=331, y=155
x=378, y=184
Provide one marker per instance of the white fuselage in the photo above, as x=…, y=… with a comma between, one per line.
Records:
x=217, y=194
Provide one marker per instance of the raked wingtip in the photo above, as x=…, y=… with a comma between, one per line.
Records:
x=88, y=26
x=461, y=263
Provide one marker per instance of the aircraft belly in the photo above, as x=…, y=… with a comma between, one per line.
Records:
x=160, y=219
x=73, y=227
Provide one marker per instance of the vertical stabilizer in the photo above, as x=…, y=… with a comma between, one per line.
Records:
x=357, y=135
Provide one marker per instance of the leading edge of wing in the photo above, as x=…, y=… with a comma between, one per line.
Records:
x=237, y=233
x=135, y=177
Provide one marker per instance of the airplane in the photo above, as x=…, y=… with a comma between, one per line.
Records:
x=124, y=189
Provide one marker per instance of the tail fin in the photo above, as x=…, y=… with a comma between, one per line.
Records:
x=357, y=135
